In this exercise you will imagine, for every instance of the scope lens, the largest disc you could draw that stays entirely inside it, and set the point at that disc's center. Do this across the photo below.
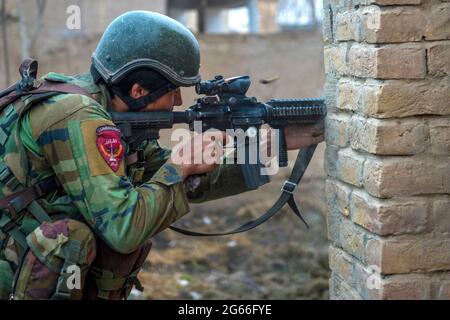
(198, 88)
(204, 87)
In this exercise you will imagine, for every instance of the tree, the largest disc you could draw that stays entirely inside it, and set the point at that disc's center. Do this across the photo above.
(312, 5)
(27, 42)
(5, 40)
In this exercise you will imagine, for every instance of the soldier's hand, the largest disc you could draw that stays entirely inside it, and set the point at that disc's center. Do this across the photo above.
(302, 136)
(200, 154)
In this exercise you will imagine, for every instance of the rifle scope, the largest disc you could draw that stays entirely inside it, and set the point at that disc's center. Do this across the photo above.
(219, 85)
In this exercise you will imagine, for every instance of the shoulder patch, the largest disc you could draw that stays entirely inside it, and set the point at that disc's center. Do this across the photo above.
(110, 146)
(104, 149)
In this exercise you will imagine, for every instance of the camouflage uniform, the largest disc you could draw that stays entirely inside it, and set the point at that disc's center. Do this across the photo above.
(95, 203)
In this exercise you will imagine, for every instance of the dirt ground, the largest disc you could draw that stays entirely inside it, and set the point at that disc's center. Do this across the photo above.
(281, 259)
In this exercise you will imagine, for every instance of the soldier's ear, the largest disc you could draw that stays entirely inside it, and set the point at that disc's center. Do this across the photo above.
(137, 91)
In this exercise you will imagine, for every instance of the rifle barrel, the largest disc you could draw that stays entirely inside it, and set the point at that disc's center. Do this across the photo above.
(296, 110)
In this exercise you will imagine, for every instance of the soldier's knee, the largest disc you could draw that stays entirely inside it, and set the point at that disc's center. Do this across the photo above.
(57, 248)
(56, 238)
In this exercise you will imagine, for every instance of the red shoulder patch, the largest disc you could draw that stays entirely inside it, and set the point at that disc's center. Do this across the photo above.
(110, 146)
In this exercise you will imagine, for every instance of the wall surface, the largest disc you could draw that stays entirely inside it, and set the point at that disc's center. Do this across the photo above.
(388, 148)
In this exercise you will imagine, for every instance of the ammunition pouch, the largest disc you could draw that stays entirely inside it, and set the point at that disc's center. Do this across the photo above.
(112, 274)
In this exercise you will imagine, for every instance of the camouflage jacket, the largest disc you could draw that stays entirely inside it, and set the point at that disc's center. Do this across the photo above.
(59, 135)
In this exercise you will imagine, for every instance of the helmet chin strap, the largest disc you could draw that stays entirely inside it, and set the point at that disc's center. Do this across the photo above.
(140, 103)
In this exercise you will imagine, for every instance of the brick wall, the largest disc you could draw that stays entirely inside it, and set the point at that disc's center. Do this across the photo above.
(388, 148)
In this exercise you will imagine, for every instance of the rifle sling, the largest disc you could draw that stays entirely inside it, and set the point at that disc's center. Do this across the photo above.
(15, 203)
(301, 163)
(42, 87)
(20, 200)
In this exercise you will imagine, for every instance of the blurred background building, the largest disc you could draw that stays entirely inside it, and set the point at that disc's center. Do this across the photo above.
(246, 16)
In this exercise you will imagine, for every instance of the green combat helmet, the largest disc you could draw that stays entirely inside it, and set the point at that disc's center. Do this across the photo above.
(144, 39)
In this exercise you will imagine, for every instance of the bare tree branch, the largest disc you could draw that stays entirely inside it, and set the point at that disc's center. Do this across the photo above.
(313, 12)
(38, 28)
(202, 16)
(25, 44)
(5, 42)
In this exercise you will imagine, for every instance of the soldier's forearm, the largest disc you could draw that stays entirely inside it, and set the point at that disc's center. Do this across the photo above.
(225, 181)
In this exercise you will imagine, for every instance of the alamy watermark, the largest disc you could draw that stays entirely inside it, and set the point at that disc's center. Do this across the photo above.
(73, 21)
(373, 282)
(372, 17)
(73, 282)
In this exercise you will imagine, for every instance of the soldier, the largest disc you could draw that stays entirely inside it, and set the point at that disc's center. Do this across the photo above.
(96, 219)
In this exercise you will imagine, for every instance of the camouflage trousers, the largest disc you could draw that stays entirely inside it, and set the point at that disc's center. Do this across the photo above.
(66, 261)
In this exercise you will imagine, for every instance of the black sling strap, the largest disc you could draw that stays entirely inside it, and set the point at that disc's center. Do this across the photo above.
(287, 196)
(30, 85)
(15, 203)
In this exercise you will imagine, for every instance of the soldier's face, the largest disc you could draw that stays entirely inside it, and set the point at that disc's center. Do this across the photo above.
(166, 102)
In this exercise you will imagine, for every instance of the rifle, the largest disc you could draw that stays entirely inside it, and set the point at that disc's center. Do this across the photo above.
(225, 106)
